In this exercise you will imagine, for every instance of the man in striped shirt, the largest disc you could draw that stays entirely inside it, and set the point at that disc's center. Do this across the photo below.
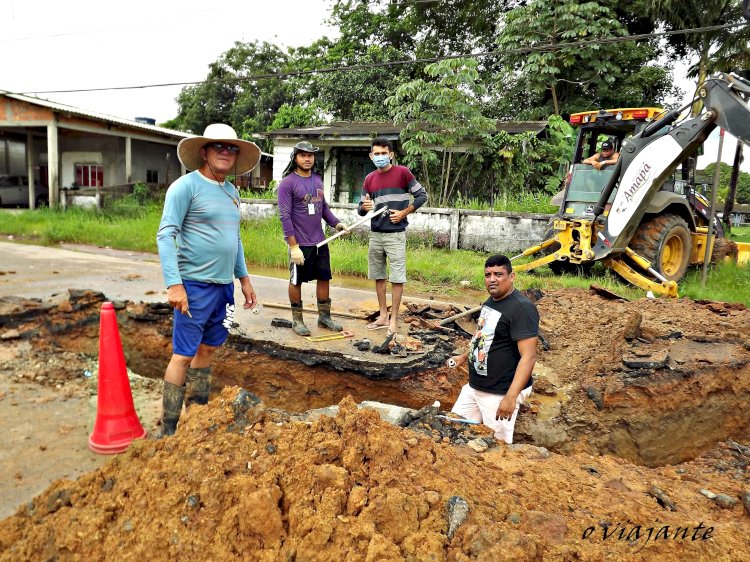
(394, 187)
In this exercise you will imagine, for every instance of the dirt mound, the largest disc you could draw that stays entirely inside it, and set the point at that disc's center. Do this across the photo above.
(239, 481)
(655, 381)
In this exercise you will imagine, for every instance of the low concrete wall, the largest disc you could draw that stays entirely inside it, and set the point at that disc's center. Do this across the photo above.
(486, 231)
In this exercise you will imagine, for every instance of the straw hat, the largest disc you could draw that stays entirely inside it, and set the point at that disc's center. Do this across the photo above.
(188, 151)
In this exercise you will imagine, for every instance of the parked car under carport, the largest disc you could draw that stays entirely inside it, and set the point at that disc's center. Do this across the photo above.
(14, 192)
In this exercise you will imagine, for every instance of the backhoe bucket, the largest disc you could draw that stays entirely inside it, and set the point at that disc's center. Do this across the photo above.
(743, 253)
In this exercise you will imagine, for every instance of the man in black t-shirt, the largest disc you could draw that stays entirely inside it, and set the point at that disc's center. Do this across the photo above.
(501, 354)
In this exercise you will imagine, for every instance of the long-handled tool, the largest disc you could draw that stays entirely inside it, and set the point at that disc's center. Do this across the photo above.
(314, 311)
(340, 335)
(458, 420)
(450, 319)
(367, 217)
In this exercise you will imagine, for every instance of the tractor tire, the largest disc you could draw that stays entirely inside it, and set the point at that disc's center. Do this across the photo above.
(665, 241)
(562, 267)
(724, 249)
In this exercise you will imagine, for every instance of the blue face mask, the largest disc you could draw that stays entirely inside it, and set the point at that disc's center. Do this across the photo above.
(381, 161)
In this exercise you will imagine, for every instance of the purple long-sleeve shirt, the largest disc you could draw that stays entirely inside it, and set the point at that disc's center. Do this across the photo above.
(295, 195)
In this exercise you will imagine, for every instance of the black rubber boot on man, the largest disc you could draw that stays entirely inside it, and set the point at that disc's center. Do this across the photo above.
(198, 384)
(298, 324)
(324, 316)
(172, 399)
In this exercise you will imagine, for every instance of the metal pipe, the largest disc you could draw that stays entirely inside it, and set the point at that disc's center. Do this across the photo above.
(458, 420)
(711, 213)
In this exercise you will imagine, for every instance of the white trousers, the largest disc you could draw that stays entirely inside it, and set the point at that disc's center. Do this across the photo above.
(482, 406)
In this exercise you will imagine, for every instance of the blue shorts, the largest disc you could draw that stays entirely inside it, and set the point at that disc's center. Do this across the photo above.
(212, 310)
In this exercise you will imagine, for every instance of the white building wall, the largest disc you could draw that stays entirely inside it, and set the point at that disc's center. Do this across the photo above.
(70, 159)
(281, 153)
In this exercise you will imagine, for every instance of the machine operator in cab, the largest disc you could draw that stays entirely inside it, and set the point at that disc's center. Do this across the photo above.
(606, 156)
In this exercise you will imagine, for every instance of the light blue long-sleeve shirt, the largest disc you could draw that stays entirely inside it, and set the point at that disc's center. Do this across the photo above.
(199, 233)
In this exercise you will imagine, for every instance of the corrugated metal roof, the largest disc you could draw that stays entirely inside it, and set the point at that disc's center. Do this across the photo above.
(54, 106)
(515, 127)
(338, 129)
(372, 129)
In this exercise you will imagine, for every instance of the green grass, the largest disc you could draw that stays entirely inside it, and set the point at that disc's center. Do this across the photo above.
(127, 225)
(727, 282)
(520, 203)
(741, 234)
(269, 193)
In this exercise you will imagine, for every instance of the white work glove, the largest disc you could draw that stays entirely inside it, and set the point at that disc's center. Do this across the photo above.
(298, 258)
(341, 226)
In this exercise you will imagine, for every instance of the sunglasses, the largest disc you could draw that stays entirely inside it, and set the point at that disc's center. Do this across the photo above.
(220, 147)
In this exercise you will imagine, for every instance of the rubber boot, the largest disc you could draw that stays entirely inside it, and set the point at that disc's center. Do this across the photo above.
(172, 398)
(324, 316)
(198, 384)
(298, 324)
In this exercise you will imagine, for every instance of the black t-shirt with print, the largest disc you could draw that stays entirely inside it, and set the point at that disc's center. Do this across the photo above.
(493, 351)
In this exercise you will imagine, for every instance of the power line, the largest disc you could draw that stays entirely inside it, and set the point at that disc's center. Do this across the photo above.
(549, 47)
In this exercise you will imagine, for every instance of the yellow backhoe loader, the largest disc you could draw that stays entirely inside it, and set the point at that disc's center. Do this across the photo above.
(643, 216)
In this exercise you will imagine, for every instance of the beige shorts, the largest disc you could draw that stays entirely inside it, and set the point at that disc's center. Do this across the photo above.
(482, 406)
(390, 245)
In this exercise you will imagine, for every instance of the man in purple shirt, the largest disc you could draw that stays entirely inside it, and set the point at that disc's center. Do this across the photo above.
(302, 206)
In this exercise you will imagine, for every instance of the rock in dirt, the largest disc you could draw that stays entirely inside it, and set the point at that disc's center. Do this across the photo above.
(648, 360)
(281, 323)
(746, 501)
(10, 335)
(457, 510)
(362, 345)
(352, 487)
(661, 497)
(722, 500)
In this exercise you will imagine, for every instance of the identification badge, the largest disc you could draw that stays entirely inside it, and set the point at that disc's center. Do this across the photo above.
(311, 208)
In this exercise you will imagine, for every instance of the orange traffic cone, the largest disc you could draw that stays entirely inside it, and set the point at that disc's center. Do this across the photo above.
(117, 424)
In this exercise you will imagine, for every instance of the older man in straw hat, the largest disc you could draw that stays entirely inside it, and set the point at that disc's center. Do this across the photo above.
(302, 208)
(201, 253)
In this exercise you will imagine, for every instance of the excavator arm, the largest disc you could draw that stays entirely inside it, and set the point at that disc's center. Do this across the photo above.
(646, 161)
(649, 158)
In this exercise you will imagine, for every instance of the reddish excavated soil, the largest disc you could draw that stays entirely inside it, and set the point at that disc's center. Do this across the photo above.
(653, 381)
(245, 485)
(644, 406)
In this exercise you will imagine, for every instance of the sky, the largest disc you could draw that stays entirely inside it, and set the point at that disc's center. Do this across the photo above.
(80, 44)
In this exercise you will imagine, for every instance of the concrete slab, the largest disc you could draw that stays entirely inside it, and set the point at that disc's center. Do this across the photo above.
(42, 272)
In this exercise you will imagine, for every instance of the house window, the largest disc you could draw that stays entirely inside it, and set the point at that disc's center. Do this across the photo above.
(89, 175)
(152, 176)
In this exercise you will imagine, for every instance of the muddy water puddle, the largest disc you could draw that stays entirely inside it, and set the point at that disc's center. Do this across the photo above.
(549, 402)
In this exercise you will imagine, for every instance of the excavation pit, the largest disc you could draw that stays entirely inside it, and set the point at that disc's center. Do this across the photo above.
(654, 382)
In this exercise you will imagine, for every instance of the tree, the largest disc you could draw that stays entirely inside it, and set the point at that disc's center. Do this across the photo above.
(725, 175)
(443, 127)
(717, 50)
(292, 116)
(352, 95)
(549, 26)
(228, 95)
(421, 29)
